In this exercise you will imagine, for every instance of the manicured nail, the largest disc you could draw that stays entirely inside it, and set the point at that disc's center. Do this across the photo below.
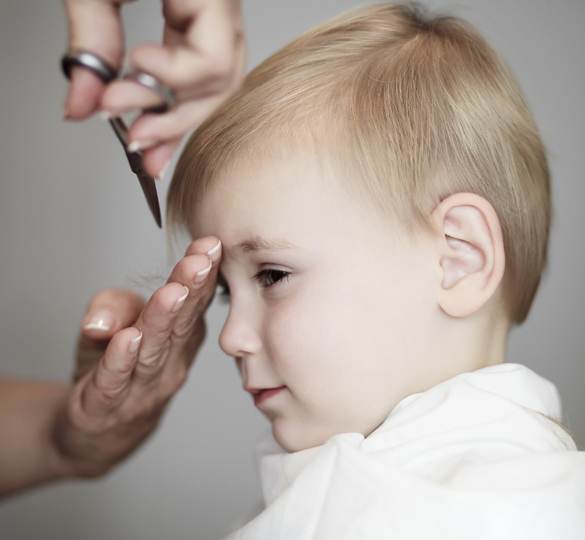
(105, 115)
(200, 277)
(215, 249)
(134, 146)
(163, 171)
(134, 344)
(179, 303)
(101, 320)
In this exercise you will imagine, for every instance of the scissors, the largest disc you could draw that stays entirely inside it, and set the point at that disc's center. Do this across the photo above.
(107, 73)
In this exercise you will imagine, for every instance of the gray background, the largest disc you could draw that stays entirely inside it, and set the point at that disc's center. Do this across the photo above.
(73, 221)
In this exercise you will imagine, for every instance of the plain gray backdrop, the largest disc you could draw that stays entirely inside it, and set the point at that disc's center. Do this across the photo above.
(73, 221)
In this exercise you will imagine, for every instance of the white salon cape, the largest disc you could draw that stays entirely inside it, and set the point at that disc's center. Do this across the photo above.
(473, 458)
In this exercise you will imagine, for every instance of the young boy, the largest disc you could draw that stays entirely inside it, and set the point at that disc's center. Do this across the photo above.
(382, 197)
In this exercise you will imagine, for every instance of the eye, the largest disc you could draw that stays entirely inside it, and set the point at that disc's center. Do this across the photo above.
(270, 276)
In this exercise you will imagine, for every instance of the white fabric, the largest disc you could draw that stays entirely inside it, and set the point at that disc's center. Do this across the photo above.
(472, 458)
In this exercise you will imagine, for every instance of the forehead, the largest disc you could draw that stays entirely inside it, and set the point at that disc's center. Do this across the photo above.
(272, 192)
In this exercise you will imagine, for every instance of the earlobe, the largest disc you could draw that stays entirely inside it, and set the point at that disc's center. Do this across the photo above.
(471, 252)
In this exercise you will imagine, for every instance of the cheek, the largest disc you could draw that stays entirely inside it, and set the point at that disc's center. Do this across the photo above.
(316, 333)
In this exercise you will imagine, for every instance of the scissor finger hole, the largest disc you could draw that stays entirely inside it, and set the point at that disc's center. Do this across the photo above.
(88, 60)
(152, 83)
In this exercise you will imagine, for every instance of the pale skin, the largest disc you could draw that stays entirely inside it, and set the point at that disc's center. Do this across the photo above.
(202, 57)
(127, 371)
(315, 283)
(336, 315)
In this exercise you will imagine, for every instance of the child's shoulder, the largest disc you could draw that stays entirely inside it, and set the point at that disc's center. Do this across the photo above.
(444, 463)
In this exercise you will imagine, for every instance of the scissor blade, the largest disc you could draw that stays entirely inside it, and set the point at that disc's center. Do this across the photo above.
(149, 189)
(121, 130)
(135, 159)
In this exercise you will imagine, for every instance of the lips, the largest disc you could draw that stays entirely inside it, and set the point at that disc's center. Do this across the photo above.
(261, 395)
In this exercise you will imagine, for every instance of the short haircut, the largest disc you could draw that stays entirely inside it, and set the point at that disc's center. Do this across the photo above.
(412, 109)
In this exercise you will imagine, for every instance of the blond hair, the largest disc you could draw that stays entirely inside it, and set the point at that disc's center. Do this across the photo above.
(412, 109)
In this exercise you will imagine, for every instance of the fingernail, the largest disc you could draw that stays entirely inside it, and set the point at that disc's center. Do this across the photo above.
(200, 277)
(101, 320)
(215, 249)
(134, 344)
(134, 146)
(179, 303)
(163, 171)
(105, 115)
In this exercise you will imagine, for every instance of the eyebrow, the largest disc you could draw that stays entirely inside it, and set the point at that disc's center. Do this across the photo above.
(260, 244)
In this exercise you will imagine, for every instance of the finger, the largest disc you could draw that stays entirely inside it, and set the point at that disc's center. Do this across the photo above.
(195, 276)
(109, 311)
(156, 323)
(204, 53)
(156, 160)
(126, 95)
(188, 331)
(151, 129)
(94, 25)
(110, 382)
(158, 136)
(84, 94)
(200, 47)
(185, 70)
(171, 340)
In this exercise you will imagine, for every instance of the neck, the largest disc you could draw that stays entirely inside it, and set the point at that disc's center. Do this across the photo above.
(463, 345)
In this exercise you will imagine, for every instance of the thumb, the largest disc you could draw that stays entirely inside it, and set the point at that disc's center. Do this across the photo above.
(95, 26)
(109, 311)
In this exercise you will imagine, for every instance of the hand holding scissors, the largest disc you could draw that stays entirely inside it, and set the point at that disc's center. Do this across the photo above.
(107, 73)
(202, 59)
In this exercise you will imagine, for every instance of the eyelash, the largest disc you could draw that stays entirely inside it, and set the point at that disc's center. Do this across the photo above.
(266, 278)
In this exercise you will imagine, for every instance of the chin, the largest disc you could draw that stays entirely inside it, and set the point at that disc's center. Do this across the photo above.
(295, 439)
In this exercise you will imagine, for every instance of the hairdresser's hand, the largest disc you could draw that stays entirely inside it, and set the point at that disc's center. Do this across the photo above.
(202, 58)
(121, 390)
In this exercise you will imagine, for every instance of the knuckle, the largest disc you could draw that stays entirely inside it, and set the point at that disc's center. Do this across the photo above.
(75, 415)
(182, 330)
(106, 396)
(150, 364)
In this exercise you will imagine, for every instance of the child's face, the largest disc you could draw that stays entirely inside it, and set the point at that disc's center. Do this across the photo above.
(328, 307)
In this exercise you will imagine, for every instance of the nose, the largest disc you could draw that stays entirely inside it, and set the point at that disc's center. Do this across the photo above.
(239, 336)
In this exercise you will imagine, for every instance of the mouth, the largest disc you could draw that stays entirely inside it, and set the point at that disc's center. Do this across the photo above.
(261, 395)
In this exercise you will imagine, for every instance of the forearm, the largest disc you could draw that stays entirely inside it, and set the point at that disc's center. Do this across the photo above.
(28, 454)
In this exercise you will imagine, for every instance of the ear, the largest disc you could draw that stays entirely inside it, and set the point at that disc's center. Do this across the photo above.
(471, 250)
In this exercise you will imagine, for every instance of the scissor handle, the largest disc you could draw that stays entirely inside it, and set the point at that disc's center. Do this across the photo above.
(148, 81)
(107, 73)
(79, 57)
